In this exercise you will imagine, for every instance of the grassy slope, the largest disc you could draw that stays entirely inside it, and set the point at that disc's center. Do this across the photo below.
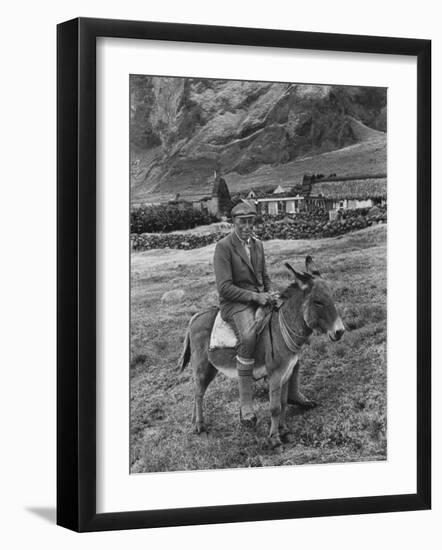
(347, 378)
(366, 158)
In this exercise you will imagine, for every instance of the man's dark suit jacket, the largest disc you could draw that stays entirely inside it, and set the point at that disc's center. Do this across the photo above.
(238, 279)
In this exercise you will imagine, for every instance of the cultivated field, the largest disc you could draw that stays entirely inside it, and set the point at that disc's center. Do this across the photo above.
(348, 378)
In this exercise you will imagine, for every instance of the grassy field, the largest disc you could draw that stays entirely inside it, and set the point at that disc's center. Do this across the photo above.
(348, 378)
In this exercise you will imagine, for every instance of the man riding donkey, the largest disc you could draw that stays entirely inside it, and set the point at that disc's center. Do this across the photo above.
(244, 286)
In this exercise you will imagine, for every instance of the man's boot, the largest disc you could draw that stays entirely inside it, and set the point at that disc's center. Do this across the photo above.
(245, 383)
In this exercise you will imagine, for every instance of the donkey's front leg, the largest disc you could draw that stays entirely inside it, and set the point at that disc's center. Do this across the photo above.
(275, 389)
(295, 396)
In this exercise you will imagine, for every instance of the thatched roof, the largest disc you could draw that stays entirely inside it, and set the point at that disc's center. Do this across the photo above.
(266, 194)
(361, 188)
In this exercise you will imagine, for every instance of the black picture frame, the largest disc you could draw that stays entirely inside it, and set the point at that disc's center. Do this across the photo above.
(76, 274)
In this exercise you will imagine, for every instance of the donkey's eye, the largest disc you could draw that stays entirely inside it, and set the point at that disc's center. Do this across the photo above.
(317, 303)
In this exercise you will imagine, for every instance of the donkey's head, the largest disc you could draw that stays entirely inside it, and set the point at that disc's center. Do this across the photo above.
(318, 307)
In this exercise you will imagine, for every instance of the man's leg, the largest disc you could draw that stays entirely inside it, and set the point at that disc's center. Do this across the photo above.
(244, 324)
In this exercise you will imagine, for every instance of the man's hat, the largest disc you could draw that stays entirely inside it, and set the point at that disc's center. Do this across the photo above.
(243, 209)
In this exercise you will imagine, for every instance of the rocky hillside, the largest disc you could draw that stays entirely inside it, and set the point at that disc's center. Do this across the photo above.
(181, 129)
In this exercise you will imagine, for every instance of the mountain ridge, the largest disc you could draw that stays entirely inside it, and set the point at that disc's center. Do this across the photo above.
(182, 129)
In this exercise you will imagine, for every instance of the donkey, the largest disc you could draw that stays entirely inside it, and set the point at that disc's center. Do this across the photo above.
(307, 307)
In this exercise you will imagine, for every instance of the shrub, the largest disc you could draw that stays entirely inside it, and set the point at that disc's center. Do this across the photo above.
(184, 242)
(164, 218)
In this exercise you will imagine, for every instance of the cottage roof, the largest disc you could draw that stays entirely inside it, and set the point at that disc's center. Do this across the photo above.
(357, 188)
(260, 194)
(280, 189)
(275, 197)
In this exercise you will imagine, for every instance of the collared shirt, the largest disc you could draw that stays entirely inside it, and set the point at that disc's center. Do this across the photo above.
(246, 245)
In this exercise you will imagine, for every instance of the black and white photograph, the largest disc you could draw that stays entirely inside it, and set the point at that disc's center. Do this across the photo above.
(258, 274)
(220, 293)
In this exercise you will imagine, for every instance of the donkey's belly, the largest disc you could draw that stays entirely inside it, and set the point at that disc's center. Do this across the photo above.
(225, 361)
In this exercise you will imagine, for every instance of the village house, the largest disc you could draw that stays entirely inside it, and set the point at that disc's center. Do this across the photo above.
(213, 198)
(350, 193)
(332, 194)
(290, 204)
(277, 201)
(315, 191)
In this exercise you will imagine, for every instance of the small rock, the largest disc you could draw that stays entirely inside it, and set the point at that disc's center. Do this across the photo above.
(173, 296)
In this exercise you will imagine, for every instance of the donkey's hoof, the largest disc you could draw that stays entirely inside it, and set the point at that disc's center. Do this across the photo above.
(305, 404)
(286, 435)
(249, 420)
(275, 443)
(199, 429)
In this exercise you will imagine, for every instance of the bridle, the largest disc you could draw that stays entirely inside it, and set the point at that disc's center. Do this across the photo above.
(292, 339)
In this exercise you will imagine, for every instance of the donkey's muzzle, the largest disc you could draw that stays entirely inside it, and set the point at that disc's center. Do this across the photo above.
(338, 331)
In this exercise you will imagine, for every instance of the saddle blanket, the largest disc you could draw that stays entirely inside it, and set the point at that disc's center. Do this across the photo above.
(222, 335)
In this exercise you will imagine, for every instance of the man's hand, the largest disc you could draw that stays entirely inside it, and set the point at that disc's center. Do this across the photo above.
(274, 296)
(263, 298)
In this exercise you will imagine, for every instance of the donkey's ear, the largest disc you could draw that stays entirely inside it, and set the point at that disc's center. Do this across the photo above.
(311, 267)
(303, 279)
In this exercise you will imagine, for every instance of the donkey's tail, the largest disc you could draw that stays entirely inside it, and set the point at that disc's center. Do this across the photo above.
(185, 353)
(184, 358)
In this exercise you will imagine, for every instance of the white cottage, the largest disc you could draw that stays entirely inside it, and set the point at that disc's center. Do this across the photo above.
(279, 205)
(351, 192)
